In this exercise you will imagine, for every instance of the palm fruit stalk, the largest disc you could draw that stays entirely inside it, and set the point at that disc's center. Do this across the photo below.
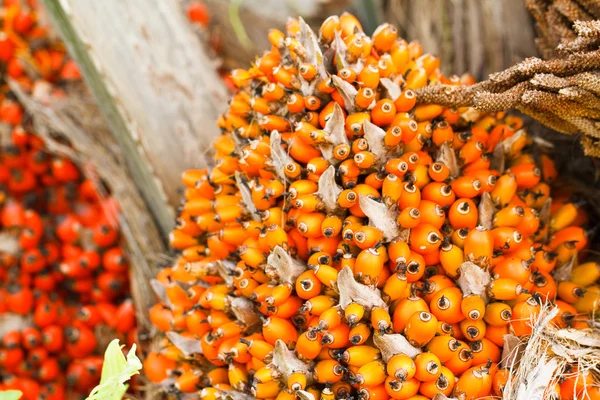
(349, 243)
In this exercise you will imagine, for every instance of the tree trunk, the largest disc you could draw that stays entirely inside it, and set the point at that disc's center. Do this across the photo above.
(476, 36)
(153, 82)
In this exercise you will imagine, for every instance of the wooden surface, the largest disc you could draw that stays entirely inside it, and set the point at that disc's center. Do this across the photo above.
(153, 82)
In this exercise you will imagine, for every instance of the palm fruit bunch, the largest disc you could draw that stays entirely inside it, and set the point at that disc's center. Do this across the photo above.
(348, 243)
(64, 279)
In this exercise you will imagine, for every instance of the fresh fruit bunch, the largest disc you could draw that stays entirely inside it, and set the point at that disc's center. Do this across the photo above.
(64, 280)
(349, 243)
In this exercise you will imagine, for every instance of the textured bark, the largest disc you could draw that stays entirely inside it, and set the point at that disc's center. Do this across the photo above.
(153, 82)
(475, 36)
(555, 19)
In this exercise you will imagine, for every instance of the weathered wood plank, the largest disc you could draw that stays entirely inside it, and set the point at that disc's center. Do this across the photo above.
(153, 82)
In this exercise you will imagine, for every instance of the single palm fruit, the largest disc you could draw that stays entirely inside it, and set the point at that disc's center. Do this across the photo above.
(334, 227)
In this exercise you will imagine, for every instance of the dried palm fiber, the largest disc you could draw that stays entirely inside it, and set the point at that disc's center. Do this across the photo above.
(562, 93)
(548, 354)
(545, 357)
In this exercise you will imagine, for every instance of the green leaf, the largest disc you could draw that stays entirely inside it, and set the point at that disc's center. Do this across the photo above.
(11, 395)
(116, 371)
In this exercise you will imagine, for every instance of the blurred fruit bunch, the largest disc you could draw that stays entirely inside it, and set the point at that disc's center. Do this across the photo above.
(64, 279)
(349, 243)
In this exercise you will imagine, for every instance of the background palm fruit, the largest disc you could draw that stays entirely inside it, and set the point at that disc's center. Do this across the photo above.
(348, 242)
(64, 279)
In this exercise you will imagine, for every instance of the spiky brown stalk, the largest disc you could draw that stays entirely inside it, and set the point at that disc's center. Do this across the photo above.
(562, 93)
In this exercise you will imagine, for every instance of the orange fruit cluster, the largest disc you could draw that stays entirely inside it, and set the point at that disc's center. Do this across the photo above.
(349, 243)
(64, 279)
